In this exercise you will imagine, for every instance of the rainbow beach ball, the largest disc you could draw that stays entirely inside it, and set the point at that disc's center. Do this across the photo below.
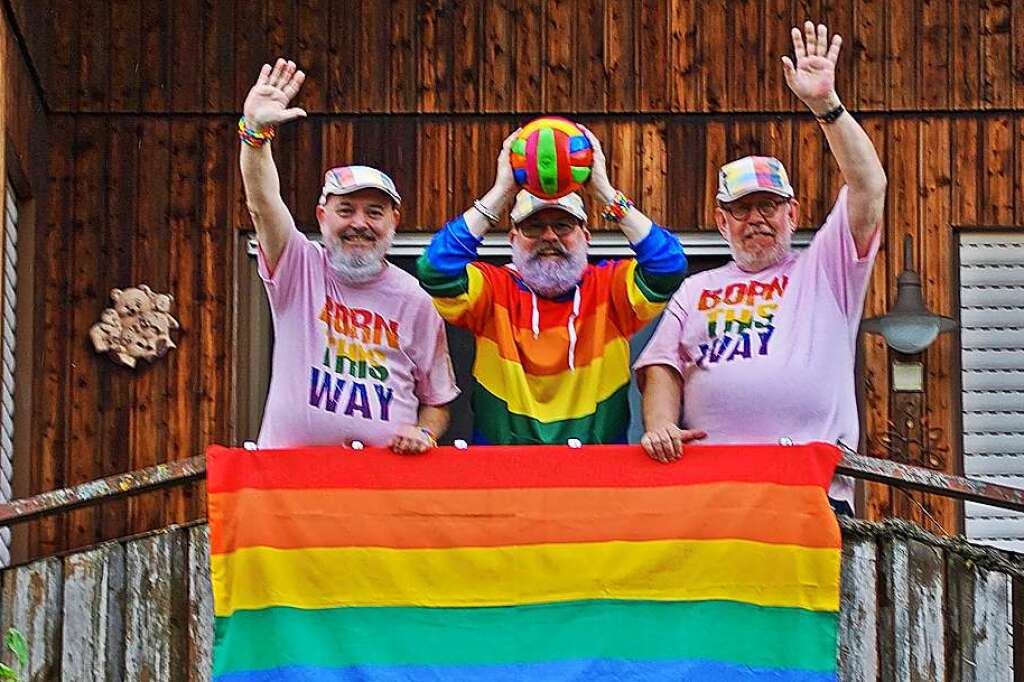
(551, 157)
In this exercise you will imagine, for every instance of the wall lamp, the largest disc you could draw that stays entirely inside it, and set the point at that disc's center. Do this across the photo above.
(908, 327)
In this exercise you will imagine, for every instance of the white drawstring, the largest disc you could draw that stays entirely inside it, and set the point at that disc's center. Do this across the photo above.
(571, 326)
(535, 315)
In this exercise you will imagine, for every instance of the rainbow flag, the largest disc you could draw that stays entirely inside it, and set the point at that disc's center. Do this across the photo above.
(524, 563)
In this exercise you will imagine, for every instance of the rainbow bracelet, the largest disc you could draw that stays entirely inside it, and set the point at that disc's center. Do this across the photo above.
(617, 208)
(254, 137)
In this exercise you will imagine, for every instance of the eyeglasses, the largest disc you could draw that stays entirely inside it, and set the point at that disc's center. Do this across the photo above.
(535, 230)
(766, 207)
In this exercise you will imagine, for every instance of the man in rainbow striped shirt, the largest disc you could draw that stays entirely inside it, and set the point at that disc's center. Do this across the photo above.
(552, 331)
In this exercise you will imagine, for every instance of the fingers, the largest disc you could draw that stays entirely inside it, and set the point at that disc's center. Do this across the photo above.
(821, 46)
(809, 38)
(405, 445)
(292, 114)
(663, 445)
(291, 88)
(788, 70)
(506, 145)
(692, 435)
(833, 50)
(798, 43)
(264, 75)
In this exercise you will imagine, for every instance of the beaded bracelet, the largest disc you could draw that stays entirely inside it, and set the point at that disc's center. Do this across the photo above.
(254, 137)
(429, 434)
(617, 208)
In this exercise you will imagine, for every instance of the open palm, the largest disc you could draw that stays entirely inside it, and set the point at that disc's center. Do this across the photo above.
(266, 105)
(813, 78)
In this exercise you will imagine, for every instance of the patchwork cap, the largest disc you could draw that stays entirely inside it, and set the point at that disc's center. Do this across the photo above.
(752, 174)
(527, 204)
(348, 179)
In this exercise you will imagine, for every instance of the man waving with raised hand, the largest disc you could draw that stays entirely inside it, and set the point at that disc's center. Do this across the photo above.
(762, 349)
(360, 353)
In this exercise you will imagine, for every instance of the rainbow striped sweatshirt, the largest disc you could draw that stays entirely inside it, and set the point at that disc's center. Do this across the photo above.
(548, 370)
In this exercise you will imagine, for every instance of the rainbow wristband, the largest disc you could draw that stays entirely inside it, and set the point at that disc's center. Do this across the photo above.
(429, 434)
(254, 137)
(617, 208)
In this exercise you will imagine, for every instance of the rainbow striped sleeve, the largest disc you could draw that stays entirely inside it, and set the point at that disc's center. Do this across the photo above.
(461, 292)
(643, 287)
(513, 563)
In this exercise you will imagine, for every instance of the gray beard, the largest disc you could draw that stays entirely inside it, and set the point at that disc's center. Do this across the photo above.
(357, 268)
(761, 259)
(550, 278)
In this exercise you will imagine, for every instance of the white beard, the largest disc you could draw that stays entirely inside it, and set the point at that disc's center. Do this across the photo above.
(359, 267)
(548, 277)
(757, 259)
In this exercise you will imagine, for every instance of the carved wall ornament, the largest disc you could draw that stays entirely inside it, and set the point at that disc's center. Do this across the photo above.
(138, 326)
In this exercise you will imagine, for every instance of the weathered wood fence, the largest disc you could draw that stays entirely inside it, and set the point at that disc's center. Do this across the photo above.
(914, 607)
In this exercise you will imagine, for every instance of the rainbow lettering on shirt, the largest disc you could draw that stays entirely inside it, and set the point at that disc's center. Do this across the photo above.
(740, 319)
(356, 342)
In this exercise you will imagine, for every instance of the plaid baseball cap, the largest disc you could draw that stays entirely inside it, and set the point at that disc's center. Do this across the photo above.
(527, 204)
(348, 179)
(752, 174)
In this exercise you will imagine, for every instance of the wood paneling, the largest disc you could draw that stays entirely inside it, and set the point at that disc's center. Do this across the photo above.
(143, 181)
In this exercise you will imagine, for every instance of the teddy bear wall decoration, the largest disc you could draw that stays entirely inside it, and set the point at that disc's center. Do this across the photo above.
(138, 326)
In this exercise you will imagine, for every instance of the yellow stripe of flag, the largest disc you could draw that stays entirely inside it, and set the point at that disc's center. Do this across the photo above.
(666, 570)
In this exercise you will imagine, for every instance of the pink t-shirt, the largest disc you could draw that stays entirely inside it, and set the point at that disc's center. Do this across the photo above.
(350, 362)
(769, 355)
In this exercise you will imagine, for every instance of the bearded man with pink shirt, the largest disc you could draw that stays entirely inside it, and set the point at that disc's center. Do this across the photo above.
(360, 353)
(763, 349)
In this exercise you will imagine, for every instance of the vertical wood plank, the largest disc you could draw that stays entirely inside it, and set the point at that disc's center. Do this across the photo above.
(653, 171)
(779, 18)
(714, 159)
(62, 90)
(403, 56)
(88, 297)
(624, 156)
(936, 182)
(434, 173)
(93, 616)
(341, 62)
(93, 25)
(967, 161)
(499, 49)
(810, 157)
(838, 15)
(745, 69)
(156, 58)
(911, 606)
(529, 56)
(869, 54)
(32, 598)
(1017, 53)
(997, 192)
(182, 385)
(466, 59)
(435, 57)
(155, 623)
(187, 67)
(858, 615)
(712, 36)
(468, 157)
(219, 66)
(978, 614)
(125, 54)
(50, 395)
(591, 85)
(902, 54)
(936, 43)
(683, 57)
(147, 425)
(966, 60)
(374, 41)
(996, 55)
(685, 151)
(653, 56)
(620, 54)
(200, 600)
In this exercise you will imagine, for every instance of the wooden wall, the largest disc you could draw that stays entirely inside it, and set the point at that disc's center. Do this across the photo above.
(144, 188)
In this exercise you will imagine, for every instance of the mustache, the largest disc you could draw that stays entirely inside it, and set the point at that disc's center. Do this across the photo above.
(549, 249)
(363, 232)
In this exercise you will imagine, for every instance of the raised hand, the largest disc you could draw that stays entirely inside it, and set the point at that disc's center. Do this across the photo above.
(266, 105)
(599, 181)
(813, 79)
(504, 179)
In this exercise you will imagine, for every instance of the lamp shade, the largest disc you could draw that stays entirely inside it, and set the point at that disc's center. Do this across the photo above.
(909, 327)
